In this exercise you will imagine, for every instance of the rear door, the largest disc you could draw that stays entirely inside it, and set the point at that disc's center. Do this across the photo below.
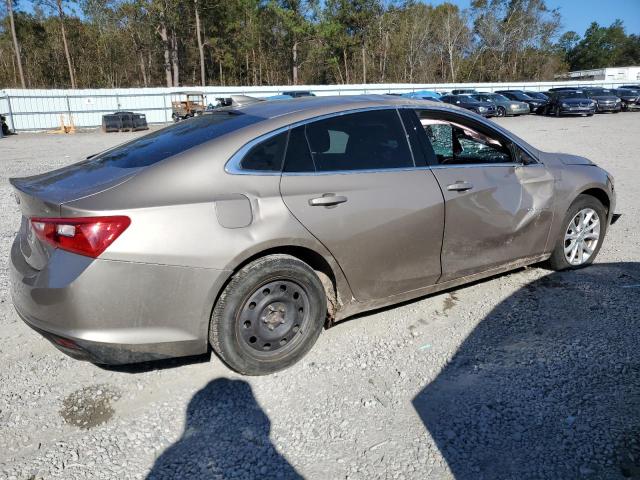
(352, 182)
(498, 199)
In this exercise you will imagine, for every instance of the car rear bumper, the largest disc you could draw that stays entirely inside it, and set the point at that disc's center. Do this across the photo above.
(113, 312)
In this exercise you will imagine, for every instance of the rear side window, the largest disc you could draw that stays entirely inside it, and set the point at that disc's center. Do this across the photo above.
(173, 140)
(358, 141)
(266, 156)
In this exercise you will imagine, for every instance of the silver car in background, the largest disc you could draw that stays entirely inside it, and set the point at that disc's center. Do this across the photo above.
(249, 229)
(505, 107)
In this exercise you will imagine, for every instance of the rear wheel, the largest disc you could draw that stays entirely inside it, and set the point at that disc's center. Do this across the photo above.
(584, 227)
(556, 111)
(269, 315)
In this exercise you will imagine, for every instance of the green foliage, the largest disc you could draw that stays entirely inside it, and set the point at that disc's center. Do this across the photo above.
(603, 47)
(122, 43)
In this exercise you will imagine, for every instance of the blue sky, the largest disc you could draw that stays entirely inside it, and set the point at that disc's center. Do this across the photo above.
(577, 15)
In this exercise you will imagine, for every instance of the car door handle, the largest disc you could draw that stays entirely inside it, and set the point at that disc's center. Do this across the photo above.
(459, 186)
(327, 200)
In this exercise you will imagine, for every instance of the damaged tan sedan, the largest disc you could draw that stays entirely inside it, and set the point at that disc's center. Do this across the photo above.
(249, 229)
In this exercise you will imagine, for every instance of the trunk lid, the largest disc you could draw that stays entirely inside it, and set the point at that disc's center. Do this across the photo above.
(42, 195)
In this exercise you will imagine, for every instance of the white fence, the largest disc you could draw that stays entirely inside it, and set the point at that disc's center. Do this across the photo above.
(42, 109)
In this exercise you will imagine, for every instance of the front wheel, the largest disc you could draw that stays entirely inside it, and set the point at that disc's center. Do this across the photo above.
(502, 112)
(269, 315)
(583, 231)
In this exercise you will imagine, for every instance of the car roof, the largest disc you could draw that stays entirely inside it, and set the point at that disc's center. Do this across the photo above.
(280, 114)
(309, 107)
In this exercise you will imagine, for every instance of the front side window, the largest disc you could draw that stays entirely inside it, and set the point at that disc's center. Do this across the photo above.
(457, 144)
(358, 141)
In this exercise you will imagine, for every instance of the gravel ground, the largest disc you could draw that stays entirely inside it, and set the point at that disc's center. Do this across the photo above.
(531, 374)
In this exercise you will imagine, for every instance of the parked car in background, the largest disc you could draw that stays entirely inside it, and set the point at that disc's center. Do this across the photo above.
(423, 95)
(463, 91)
(239, 230)
(536, 95)
(570, 103)
(279, 97)
(629, 98)
(535, 105)
(505, 107)
(606, 99)
(631, 87)
(564, 89)
(486, 109)
(299, 93)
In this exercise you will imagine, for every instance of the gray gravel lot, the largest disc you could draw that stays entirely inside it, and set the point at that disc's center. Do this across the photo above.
(531, 374)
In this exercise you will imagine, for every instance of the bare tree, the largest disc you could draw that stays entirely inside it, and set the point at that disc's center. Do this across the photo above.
(453, 36)
(61, 16)
(16, 45)
(162, 31)
(200, 46)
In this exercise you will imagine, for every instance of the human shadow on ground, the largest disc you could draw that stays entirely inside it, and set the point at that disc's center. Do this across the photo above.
(226, 436)
(548, 384)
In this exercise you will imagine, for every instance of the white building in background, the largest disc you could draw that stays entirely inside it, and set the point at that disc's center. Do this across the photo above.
(610, 74)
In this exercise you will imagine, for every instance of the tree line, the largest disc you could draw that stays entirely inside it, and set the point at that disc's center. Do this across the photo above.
(141, 43)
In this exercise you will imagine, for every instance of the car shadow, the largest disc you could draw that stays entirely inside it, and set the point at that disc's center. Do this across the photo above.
(162, 364)
(226, 436)
(548, 384)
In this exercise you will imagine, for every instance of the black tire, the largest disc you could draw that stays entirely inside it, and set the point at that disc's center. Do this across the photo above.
(558, 261)
(5, 129)
(502, 112)
(276, 301)
(556, 111)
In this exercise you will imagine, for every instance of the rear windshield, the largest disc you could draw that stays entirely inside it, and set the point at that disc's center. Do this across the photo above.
(172, 140)
(520, 96)
(571, 95)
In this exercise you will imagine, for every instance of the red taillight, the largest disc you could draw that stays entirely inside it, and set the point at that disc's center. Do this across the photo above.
(88, 236)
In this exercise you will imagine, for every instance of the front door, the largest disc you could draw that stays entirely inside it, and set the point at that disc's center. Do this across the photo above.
(352, 182)
(498, 207)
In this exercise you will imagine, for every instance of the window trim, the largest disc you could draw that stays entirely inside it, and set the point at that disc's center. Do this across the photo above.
(232, 166)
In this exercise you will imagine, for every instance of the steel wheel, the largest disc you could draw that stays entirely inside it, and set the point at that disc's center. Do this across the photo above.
(582, 236)
(273, 318)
